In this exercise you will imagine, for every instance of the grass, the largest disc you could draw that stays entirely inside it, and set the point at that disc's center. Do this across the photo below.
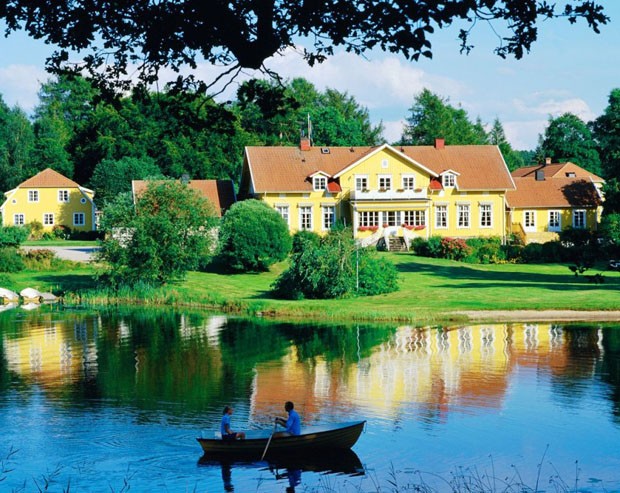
(431, 290)
(59, 243)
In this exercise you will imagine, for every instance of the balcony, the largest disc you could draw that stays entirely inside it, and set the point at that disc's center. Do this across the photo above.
(394, 194)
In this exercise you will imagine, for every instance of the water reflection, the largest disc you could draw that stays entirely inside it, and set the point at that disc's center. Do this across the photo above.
(288, 468)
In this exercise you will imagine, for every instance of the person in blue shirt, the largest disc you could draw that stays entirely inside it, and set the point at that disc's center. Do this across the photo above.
(227, 433)
(293, 423)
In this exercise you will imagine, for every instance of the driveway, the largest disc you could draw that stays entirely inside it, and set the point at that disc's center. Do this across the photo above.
(77, 254)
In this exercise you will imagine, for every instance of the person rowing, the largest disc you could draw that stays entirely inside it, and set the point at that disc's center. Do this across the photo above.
(292, 423)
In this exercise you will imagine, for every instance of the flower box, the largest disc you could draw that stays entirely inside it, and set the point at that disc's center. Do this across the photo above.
(363, 228)
(408, 226)
(373, 228)
(418, 228)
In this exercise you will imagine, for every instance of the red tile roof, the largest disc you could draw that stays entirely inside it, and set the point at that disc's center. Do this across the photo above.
(557, 170)
(221, 193)
(285, 169)
(48, 178)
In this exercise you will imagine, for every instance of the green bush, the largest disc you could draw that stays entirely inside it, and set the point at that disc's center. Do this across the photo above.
(532, 253)
(10, 260)
(61, 232)
(40, 259)
(485, 250)
(77, 234)
(513, 252)
(252, 237)
(13, 236)
(36, 230)
(376, 276)
(454, 248)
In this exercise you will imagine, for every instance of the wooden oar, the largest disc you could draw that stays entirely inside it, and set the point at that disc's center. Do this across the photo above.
(269, 441)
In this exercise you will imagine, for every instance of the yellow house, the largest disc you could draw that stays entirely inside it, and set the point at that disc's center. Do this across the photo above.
(51, 199)
(552, 197)
(387, 193)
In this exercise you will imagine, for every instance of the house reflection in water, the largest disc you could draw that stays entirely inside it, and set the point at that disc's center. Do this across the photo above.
(436, 369)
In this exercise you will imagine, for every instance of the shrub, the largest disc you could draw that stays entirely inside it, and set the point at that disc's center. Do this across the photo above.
(513, 252)
(532, 253)
(485, 250)
(453, 248)
(86, 235)
(36, 230)
(61, 232)
(253, 236)
(376, 276)
(39, 259)
(13, 236)
(10, 260)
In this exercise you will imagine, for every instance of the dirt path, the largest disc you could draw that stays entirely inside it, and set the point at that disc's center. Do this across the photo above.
(541, 316)
(77, 254)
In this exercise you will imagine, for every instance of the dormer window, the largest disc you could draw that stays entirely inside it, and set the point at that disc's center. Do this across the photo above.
(448, 180)
(319, 183)
(571, 174)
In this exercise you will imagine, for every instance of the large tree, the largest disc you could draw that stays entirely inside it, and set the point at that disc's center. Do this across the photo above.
(568, 138)
(606, 130)
(432, 116)
(165, 234)
(16, 143)
(118, 35)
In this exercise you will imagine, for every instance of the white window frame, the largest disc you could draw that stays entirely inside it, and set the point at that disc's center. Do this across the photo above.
(63, 196)
(486, 215)
(580, 223)
(448, 180)
(306, 221)
(19, 219)
(463, 216)
(387, 180)
(78, 223)
(284, 210)
(414, 218)
(408, 182)
(361, 183)
(328, 217)
(554, 217)
(441, 212)
(369, 218)
(48, 219)
(319, 183)
(33, 195)
(390, 218)
(529, 220)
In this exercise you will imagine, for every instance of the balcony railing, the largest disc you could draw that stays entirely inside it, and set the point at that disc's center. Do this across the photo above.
(393, 194)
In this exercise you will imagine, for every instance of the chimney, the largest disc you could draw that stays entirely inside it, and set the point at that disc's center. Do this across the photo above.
(540, 174)
(440, 143)
(304, 144)
(547, 161)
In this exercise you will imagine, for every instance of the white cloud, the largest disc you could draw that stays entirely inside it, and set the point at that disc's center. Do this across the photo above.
(393, 130)
(523, 135)
(556, 107)
(19, 85)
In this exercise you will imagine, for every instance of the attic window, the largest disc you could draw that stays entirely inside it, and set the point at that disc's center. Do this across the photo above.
(448, 180)
(324, 150)
(571, 174)
(319, 183)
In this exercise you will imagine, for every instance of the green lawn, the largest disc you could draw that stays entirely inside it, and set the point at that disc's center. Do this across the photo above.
(431, 289)
(60, 243)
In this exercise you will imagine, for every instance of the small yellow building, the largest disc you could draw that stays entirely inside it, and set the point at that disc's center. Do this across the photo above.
(389, 193)
(552, 197)
(51, 199)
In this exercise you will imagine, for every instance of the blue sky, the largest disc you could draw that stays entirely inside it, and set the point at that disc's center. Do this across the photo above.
(570, 68)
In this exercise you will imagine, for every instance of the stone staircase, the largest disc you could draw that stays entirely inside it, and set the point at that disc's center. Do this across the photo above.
(397, 244)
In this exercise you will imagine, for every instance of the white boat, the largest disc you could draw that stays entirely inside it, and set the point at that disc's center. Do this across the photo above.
(48, 298)
(8, 296)
(30, 295)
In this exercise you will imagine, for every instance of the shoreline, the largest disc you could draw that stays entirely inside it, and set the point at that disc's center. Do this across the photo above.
(539, 315)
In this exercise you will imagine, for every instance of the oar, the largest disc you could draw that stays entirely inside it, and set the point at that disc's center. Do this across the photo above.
(269, 441)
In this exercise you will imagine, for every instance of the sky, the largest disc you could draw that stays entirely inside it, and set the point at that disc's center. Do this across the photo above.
(569, 69)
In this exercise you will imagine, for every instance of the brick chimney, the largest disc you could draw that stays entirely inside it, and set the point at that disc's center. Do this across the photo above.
(304, 144)
(547, 161)
(440, 143)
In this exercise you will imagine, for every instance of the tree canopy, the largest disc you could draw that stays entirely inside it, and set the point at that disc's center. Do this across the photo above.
(117, 35)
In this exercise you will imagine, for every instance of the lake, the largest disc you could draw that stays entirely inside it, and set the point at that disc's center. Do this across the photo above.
(113, 400)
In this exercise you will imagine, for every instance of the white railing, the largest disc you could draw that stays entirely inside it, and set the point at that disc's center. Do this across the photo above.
(370, 240)
(397, 194)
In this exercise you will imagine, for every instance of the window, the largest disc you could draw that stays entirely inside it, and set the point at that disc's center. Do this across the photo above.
(369, 218)
(384, 163)
(305, 217)
(529, 220)
(579, 219)
(283, 211)
(19, 219)
(48, 219)
(408, 182)
(414, 218)
(554, 221)
(361, 183)
(319, 183)
(441, 216)
(462, 211)
(63, 195)
(389, 218)
(329, 215)
(79, 219)
(448, 180)
(385, 182)
(33, 195)
(486, 215)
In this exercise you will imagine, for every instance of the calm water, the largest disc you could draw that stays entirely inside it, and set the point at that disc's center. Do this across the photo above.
(112, 401)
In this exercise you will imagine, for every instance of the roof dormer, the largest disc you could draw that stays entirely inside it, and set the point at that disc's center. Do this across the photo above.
(448, 178)
(319, 180)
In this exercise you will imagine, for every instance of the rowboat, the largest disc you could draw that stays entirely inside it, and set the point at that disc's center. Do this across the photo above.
(8, 296)
(328, 437)
(30, 295)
